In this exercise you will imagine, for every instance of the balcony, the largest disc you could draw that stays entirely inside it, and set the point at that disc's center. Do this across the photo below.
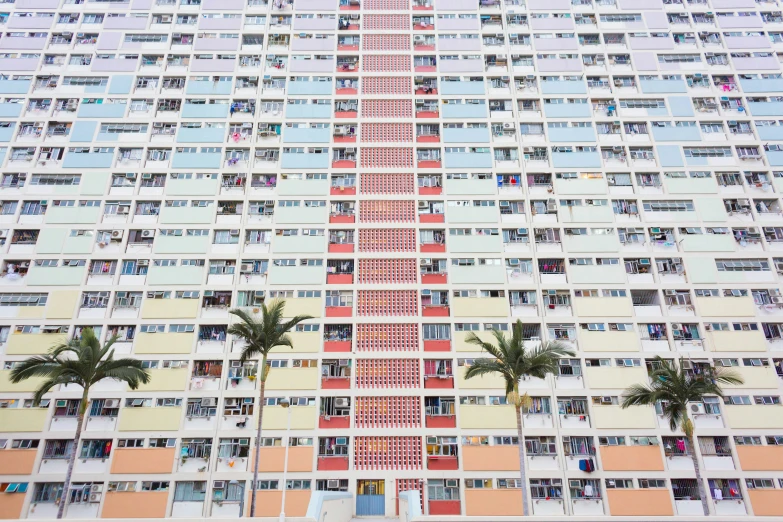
(440, 421)
(332, 463)
(429, 310)
(440, 345)
(439, 381)
(442, 462)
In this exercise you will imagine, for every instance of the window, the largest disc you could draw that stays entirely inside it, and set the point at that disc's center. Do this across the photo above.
(619, 483)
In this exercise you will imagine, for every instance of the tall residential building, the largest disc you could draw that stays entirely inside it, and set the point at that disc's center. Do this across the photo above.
(607, 172)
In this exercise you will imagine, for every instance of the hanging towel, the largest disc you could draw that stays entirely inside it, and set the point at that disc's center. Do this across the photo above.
(588, 491)
(717, 494)
(583, 465)
(681, 445)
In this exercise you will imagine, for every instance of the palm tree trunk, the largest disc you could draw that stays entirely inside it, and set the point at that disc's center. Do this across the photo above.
(699, 482)
(262, 389)
(522, 473)
(72, 458)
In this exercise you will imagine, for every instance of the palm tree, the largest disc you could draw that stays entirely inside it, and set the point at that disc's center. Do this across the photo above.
(81, 362)
(513, 360)
(260, 336)
(674, 389)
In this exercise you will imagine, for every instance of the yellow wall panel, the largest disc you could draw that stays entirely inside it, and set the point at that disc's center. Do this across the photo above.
(169, 308)
(606, 416)
(479, 307)
(293, 379)
(61, 304)
(33, 344)
(302, 418)
(166, 379)
(23, 419)
(487, 417)
(150, 419)
(611, 341)
(163, 343)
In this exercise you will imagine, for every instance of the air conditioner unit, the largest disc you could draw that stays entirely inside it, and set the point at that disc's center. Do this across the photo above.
(340, 402)
(670, 292)
(111, 403)
(123, 210)
(117, 234)
(246, 268)
(575, 483)
(219, 484)
(148, 233)
(776, 300)
(146, 175)
(697, 408)
(452, 483)
(418, 38)
(606, 400)
(332, 483)
(143, 262)
(708, 327)
(508, 125)
(234, 232)
(95, 497)
(232, 402)
(62, 403)
(774, 291)
(350, 150)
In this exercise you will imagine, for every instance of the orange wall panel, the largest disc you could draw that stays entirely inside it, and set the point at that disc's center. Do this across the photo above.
(639, 502)
(142, 460)
(17, 461)
(272, 459)
(760, 458)
(493, 502)
(766, 502)
(144, 504)
(268, 503)
(490, 458)
(11, 505)
(631, 458)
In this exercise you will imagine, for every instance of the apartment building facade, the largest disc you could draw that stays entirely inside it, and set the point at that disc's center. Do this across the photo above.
(608, 172)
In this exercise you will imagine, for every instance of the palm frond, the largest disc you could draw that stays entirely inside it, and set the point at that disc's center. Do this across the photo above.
(38, 366)
(82, 362)
(262, 334)
(639, 395)
(474, 339)
(673, 389)
(129, 371)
